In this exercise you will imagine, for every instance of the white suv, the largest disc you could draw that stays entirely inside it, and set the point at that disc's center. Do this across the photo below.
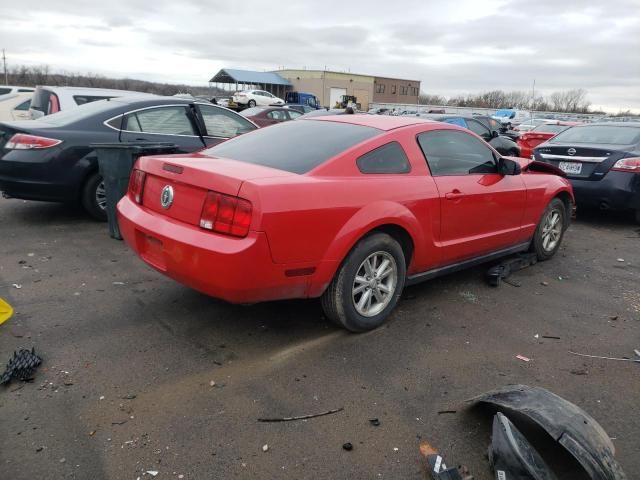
(48, 100)
(251, 98)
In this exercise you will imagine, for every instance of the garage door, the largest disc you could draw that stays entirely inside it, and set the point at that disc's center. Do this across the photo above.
(335, 95)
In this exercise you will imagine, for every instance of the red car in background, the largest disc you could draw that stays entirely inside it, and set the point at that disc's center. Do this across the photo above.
(265, 116)
(379, 203)
(527, 141)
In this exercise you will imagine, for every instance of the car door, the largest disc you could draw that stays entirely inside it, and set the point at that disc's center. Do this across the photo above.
(220, 124)
(262, 99)
(166, 123)
(481, 210)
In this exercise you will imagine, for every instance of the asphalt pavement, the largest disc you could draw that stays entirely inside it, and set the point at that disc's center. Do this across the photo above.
(141, 374)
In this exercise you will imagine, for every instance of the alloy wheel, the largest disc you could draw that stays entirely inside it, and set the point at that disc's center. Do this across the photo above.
(374, 284)
(101, 196)
(551, 230)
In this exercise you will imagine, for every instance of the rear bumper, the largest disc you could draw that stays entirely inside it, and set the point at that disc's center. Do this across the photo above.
(32, 175)
(238, 270)
(616, 191)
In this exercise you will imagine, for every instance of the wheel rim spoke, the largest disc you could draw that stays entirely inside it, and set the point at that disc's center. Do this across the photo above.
(374, 284)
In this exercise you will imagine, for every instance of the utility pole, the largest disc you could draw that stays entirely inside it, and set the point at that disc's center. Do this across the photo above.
(4, 61)
(533, 98)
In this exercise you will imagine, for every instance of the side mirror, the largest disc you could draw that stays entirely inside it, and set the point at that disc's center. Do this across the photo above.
(508, 167)
(494, 134)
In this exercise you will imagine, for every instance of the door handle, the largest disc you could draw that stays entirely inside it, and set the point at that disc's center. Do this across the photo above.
(455, 195)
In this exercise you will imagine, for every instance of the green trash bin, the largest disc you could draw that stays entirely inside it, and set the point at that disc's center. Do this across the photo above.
(115, 162)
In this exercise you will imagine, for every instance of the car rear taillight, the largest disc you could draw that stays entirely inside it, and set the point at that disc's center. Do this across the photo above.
(136, 185)
(627, 165)
(226, 214)
(22, 141)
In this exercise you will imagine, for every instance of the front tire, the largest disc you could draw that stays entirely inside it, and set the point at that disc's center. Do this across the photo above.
(368, 285)
(251, 103)
(94, 197)
(550, 231)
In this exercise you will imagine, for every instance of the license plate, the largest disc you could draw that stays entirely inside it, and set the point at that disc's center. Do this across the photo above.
(571, 167)
(151, 250)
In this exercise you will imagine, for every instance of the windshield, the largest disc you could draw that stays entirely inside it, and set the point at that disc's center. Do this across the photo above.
(505, 113)
(295, 147)
(609, 134)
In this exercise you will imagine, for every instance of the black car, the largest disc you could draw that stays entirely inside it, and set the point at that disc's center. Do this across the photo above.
(602, 162)
(50, 158)
(503, 145)
(490, 123)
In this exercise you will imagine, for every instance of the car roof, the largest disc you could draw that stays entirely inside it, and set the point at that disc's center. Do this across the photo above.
(613, 124)
(381, 122)
(88, 90)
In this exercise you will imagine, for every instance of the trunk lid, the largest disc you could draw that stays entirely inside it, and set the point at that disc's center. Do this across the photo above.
(581, 161)
(191, 176)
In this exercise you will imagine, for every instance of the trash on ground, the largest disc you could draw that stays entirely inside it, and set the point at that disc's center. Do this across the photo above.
(442, 412)
(265, 447)
(16, 285)
(301, 417)
(347, 446)
(552, 337)
(21, 366)
(637, 352)
(375, 422)
(621, 259)
(523, 358)
(512, 456)
(436, 466)
(153, 473)
(569, 425)
(635, 360)
(507, 266)
(6, 311)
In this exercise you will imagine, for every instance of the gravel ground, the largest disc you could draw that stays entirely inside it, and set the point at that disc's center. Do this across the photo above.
(142, 374)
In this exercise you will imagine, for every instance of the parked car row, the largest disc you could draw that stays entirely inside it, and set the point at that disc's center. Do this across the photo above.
(51, 158)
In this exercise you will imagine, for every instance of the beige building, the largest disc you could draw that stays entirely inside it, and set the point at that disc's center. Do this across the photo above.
(329, 86)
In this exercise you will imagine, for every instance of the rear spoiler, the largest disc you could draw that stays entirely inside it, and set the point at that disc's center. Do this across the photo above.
(536, 166)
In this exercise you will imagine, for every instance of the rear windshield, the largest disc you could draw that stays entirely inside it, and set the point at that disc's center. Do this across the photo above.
(611, 134)
(66, 117)
(250, 112)
(296, 147)
(550, 128)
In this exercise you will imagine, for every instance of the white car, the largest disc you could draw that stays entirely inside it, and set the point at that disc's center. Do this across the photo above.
(15, 106)
(251, 98)
(48, 100)
(10, 90)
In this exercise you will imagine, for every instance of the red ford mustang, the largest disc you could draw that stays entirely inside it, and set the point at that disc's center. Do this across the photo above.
(348, 208)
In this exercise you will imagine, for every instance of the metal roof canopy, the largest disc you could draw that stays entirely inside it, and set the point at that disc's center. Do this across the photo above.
(229, 75)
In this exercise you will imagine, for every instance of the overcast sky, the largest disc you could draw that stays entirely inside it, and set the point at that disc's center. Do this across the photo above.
(453, 47)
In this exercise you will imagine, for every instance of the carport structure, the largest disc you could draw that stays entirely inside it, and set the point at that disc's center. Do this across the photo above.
(247, 79)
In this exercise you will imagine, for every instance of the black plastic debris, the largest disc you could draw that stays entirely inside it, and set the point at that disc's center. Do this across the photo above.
(512, 456)
(21, 366)
(504, 269)
(568, 424)
(347, 446)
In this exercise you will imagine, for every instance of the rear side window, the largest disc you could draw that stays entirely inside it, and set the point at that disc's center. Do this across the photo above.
(296, 147)
(278, 115)
(82, 99)
(223, 123)
(449, 152)
(25, 90)
(45, 101)
(389, 158)
(23, 106)
(4, 91)
(163, 120)
(612, 134)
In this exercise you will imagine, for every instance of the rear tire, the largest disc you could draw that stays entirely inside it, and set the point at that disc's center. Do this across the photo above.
(251, 103)
(550, 231)
(368, 284)
(94, 197)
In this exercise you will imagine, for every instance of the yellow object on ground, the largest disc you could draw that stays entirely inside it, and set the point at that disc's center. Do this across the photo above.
(5, 311)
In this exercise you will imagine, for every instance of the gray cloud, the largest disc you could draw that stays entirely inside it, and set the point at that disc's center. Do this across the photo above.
(454, 47)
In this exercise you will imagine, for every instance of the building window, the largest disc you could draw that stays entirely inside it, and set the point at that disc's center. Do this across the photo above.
(393, 89)
(380, 87)
(404, 90)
